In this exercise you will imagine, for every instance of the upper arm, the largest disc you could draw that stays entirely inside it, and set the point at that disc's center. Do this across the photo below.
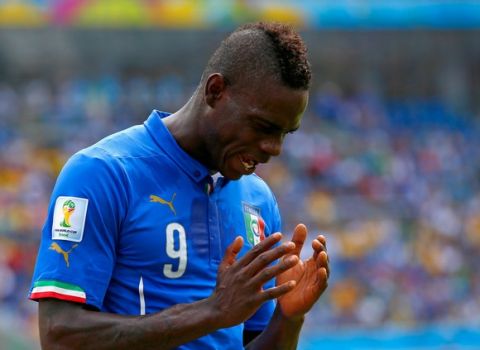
(78, 247)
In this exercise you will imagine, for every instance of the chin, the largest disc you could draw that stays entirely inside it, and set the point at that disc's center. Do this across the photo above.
(234, 177)
(231, 175)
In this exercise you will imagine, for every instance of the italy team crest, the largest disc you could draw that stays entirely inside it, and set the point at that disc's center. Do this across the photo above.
(254, 224)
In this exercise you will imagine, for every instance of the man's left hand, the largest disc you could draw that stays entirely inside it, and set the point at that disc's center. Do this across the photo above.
(310, 275)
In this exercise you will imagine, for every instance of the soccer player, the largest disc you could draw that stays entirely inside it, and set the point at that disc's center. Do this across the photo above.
(161, 236)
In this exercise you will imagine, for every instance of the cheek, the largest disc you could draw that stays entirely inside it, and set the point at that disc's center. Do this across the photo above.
(239, 140)
(231, 135)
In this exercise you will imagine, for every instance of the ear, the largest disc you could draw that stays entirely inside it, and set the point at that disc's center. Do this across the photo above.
(214, 88)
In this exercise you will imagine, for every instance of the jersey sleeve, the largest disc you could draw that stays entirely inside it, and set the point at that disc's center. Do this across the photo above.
(261, 318)
(77, 251)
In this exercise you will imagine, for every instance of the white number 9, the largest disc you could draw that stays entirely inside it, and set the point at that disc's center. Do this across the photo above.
(180, 253)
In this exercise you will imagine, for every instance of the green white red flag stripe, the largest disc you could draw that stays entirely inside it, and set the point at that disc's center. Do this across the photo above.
(58, 290)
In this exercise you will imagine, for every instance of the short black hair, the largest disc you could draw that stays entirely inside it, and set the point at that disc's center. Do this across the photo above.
(262, 50)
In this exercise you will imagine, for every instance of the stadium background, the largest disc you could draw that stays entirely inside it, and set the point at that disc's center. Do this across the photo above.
(386, 164)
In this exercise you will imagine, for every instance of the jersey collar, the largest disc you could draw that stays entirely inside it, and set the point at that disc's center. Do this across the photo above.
(165, 140)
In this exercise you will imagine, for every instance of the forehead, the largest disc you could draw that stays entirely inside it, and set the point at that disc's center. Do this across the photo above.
(273, 102)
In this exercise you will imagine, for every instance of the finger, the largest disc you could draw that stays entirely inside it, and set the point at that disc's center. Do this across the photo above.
(231, 253)
(261, 247)
(273, 271)
(268, 257)
(322, 262)
(278, 291)
(322, 279)
(299, 236)
(322, 240)
(318, 247)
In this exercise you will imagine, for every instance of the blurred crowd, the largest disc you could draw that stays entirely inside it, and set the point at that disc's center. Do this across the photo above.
(394, 185)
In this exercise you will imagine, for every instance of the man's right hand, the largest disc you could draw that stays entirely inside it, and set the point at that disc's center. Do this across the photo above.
(239, 291)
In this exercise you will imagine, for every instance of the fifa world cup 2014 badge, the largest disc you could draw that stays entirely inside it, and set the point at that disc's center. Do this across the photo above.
(254, 224)
(69, 218)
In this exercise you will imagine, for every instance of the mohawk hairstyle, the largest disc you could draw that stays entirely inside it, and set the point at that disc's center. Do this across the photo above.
(262, 50)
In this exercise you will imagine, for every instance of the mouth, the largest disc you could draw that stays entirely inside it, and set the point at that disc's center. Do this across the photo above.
(249, 164)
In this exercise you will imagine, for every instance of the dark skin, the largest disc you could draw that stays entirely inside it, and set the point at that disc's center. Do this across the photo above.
(221, 126)
(246, 119)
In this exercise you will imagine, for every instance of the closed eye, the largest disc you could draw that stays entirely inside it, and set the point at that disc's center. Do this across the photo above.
(270, 128)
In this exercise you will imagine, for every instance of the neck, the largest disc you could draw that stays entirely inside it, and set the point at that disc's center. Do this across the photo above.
(186, 127)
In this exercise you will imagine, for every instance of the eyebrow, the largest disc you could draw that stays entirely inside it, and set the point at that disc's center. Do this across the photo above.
(275, 126)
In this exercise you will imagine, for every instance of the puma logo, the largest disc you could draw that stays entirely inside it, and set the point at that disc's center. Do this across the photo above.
(157, 199)
(54, 246)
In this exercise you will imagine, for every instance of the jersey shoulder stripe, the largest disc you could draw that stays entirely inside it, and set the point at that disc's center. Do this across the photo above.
(59, 290)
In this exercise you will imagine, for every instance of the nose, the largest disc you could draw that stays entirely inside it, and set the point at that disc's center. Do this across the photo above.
(272, 146)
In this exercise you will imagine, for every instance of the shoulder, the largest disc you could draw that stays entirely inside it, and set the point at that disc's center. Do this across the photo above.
(254, 190)
(257, 184)
(92, 169)
(129, 143)
(117, 150)
(91, 161)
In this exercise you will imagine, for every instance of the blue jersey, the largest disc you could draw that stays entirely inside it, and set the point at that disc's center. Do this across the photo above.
(136, 225)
